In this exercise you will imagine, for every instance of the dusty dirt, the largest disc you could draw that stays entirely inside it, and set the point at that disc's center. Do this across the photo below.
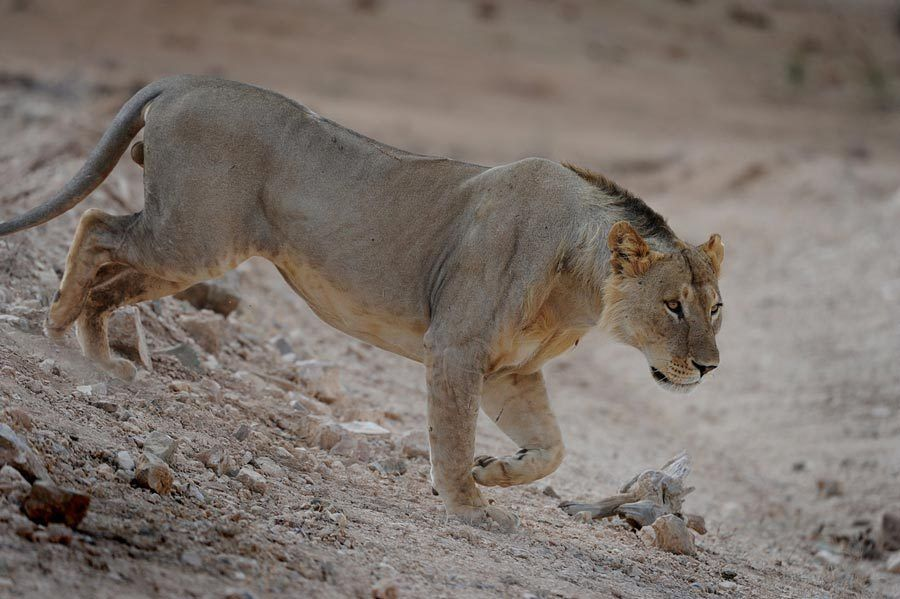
(776, 126)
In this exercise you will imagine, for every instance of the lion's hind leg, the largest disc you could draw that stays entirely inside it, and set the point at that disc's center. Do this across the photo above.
(123, 286)
(518, 404)
(96, 238)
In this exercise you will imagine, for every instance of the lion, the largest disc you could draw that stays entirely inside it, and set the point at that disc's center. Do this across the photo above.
(482, 274)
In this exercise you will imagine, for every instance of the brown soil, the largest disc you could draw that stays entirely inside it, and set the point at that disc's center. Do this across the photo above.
(775, 125)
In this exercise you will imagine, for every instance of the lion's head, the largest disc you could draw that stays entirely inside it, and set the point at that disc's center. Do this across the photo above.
(667, 305)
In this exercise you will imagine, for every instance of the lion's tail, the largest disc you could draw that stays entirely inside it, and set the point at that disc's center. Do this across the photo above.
(99, 164)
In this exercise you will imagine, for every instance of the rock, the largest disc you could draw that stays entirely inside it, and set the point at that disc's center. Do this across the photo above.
(366, 428)
(48, 503)
(672, 535)
(391, 466)
(17, 453)
(206, 329)
(238, 594)
(16, 321)
(153, 473)
(893, 563)
(696, 523)
(49, 367)
(727, 585)
(218, 461)
(282, 345)
(385, 589)
(646, 534)
(99, 389)
(353, 448)
(185, 354)
(126, 335)
(550, 492)
(323, 432)
(125, 461)
(242, 432)
(219, 295)
(414, 444)
(107, 406)
(192, 559)
(583, 517)
(828, 557)
(13, 484)
(829, 488)
(321, 380)
(307, 405)
(195, 492)
(213, 388)
(161, 445)
(890, 531)
(18, 419)
(22, 526)
(104, 471)
(253, 480)
(58, 533)
(269, 467)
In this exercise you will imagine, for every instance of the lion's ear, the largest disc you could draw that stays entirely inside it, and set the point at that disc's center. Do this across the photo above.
(631, 256)
(715, 250)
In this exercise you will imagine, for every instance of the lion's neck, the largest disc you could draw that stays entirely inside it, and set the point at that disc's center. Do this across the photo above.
(589, 255)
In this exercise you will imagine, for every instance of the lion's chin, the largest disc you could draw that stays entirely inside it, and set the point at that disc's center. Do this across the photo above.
(664, 382)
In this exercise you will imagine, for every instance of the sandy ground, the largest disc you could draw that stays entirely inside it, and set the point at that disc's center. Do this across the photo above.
(777, 129)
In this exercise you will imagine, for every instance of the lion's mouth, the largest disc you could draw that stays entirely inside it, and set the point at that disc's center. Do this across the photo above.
(666, 383)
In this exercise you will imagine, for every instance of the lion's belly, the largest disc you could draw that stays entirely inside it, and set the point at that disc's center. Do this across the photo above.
(355, 317)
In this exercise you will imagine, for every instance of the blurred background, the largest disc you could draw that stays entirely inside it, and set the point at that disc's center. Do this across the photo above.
(775, 123)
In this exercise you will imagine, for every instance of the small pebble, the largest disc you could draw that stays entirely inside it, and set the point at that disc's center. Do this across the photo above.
(161, 445)
(242, 432)
(153, 473)
(125, 461)
(727, 585)
(253, 480)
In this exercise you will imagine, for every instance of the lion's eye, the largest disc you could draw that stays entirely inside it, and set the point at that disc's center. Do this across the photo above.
(715, 309)
(674, 306)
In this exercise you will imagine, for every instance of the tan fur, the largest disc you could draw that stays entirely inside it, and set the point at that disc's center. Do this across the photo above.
(482, 274)
(636, 292)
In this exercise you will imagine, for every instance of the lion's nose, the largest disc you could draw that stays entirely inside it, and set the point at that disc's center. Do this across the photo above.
(703, 368)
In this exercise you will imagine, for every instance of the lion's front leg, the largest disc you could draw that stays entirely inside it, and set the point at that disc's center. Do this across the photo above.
(454, 387)
(518, 404)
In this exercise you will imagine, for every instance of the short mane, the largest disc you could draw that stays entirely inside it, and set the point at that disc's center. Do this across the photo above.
(644, 219)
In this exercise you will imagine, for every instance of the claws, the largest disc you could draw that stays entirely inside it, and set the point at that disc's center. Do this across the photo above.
(484, 460)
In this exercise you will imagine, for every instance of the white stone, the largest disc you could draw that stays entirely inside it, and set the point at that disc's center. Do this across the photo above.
(893, 563)
(268, 467)
(161, 445)
(828, 557)
(365, 427)
(253, 480)
(125, 461)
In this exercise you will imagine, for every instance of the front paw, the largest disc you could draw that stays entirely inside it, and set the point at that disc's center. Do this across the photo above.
(55, 333)
(492, 472)
(488, 517)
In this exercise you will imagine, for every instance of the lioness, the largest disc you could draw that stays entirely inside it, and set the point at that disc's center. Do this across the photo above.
(482, 274)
